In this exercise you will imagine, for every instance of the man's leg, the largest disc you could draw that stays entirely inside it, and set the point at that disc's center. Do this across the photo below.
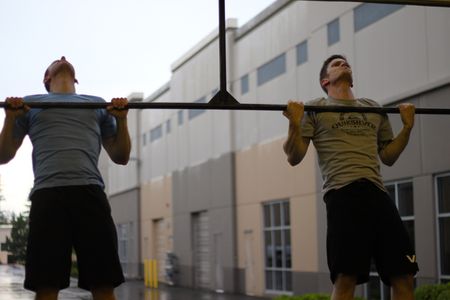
(46, 294)
(402, 287)
(344, 287)
(103, 293)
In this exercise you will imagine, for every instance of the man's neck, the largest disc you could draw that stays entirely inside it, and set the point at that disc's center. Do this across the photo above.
(62, 87)
(341, 91)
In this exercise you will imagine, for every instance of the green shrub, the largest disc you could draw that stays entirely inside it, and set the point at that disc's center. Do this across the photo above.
(310, 297)
(314, 297)
(445, 295)
(432, 292)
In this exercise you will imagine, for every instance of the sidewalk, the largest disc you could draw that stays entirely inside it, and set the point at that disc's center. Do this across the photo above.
(11, 288)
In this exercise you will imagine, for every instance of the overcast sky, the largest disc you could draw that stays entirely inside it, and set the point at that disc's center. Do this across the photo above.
(117, 47)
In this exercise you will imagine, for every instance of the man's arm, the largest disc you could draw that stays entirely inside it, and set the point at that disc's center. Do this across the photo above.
(391, 152)
(8, 144)
(118, 146)
(296, 145)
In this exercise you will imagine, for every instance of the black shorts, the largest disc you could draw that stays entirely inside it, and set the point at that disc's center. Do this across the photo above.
(62, 218)
(364, 224)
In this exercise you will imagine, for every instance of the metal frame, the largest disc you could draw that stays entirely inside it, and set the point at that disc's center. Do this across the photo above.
(236, 106)
(442, 3)
(223, 100)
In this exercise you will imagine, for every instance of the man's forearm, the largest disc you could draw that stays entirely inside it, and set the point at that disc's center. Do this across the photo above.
(8, 146)
(392, 151)
(295, 147)
(122, 142)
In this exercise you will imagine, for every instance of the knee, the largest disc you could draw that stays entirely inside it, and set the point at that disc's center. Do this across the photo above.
(46, 294)
(103, 293)
(345, 284)
(403, 283)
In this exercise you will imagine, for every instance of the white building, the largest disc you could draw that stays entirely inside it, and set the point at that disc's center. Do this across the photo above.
(214, 187)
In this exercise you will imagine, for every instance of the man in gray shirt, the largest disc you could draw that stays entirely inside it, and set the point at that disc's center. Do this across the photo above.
(69, 208)
(362, 221)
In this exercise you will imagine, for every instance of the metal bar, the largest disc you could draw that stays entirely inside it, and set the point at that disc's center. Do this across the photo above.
(442, 3)
(222, 47)
(238, 106)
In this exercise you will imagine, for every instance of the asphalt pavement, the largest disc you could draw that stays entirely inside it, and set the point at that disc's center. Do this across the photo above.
(12, 276)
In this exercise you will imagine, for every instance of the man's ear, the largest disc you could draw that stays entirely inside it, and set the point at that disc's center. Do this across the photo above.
(324, 82)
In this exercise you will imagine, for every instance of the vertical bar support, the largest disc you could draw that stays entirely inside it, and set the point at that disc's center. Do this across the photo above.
(222, 47)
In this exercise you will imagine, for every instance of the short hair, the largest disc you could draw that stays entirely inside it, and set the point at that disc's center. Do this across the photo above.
(323, 70)
(47, 83)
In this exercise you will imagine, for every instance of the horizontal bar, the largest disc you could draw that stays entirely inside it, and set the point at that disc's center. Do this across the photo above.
(442, 3)
(239, 106)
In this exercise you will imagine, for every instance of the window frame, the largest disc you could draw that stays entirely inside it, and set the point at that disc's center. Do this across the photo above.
(441, 277)
(283, 228)
(384, 290)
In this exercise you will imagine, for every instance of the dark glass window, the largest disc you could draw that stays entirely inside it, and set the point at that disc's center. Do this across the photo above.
(168, 126)
(333, 32)
(244, 84)
(156, 133)
(369, 13)
(277, 245)
(443, 191)
(180, 117)
(193, 113)
(302, 53)
(272, 69)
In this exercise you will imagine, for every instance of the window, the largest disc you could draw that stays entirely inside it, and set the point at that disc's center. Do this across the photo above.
(193, 113)
(244, 84)
(168, 126)
(125, 238)
(180, 118)
(302, 53)
(401, 192)
(369, 13)
(333, 32)
(122, 236)
(155, 133)
(277, 245)
(443, 223)
(272, 69)
(144, 139)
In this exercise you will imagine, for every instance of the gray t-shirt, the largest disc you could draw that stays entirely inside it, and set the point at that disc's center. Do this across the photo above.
(347, 143)
(66, 142)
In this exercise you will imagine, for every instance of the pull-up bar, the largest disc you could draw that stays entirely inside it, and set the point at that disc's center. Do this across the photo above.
(443, 3)
(238, 106)
(223, 100)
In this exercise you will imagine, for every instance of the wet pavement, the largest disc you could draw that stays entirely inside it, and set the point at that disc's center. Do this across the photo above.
(11, 288)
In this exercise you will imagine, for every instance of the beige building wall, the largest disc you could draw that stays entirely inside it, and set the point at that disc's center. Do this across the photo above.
(156, 207)
(263, 175)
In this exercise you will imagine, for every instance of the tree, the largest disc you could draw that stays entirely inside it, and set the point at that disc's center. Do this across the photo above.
(17, 244)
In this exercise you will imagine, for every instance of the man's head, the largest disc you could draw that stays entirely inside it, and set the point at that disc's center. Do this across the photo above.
(330, 71)
(60, 66)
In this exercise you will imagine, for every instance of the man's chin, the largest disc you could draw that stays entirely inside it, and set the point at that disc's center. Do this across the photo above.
(64, 67)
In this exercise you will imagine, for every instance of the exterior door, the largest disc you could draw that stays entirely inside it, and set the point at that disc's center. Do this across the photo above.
(201, 250)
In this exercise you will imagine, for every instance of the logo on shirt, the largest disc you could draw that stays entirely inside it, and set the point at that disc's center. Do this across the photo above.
(354, 124)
